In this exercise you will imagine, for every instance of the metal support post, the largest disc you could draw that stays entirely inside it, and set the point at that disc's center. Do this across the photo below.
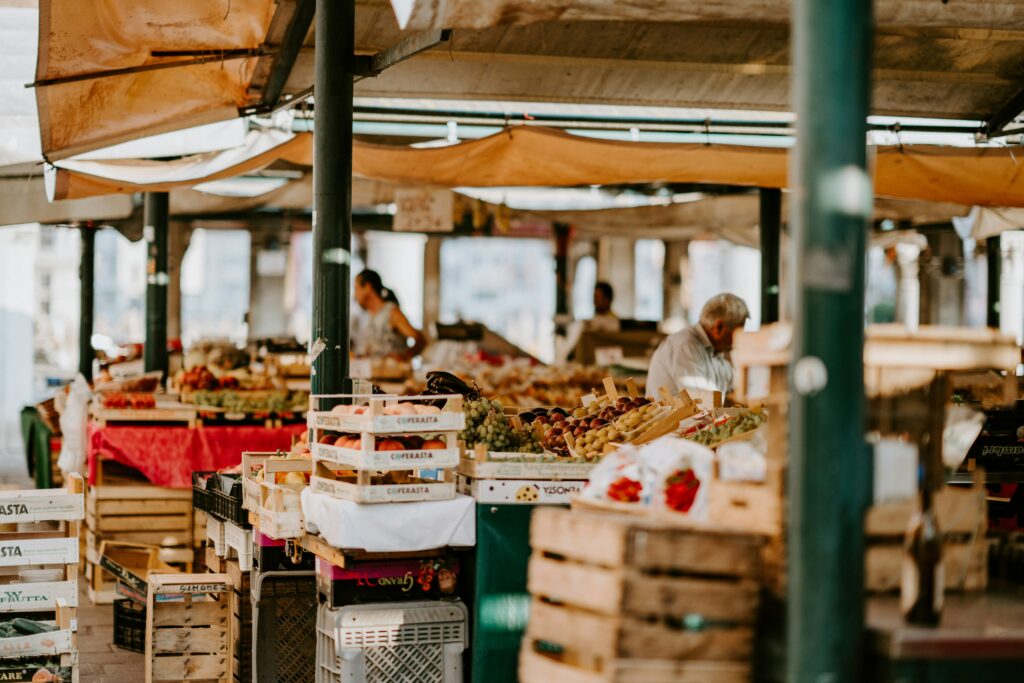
(771, 231)
(830, 466)
(86, 272)
(994, 256)
(332, 194)
(155, 221)
(562, 292)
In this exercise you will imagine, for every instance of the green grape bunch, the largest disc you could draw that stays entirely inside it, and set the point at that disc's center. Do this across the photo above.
(487, 423)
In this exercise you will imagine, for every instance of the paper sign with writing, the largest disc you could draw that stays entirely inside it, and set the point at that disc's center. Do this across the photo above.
(423, 209)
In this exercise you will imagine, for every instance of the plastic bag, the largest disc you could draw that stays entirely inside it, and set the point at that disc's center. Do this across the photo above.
(679, 473)
(618, 477)
(744, 459)
(73, 424)
(963, 425)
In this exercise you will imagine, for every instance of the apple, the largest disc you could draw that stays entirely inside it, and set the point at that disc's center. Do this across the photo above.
(433, 445)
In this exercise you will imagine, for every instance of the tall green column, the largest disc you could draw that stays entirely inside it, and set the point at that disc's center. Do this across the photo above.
(86, 273)
(332, 194)
(155, 219)
(994, 258)
(770, 228)
(830, 469)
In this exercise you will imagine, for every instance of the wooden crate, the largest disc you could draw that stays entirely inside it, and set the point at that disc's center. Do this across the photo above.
(240, 600)
(962, 519)
(44, 527)
(609, 593)
(188, 640)
(140, 509)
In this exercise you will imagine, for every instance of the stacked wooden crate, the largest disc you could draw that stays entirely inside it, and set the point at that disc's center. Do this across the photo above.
(623, 598)
(39, 553)
(240, 608)
(188, 628)
(136, 511)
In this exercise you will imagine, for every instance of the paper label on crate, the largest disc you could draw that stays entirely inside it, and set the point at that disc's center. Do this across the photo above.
(39, 551)
(189, 588)
(524, 492)
(28, 674)
(31, 508)
(17, 597)
(51, 643)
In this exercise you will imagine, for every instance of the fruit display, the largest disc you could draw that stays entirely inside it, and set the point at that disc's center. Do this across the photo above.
(406, 408)
(711, 431)
(487, 423)
(519, 383)
(279, 401)
(594, 427)
(414, 442)
(134, 400)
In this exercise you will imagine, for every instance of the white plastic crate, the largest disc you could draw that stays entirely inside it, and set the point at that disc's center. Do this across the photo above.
(412, 642)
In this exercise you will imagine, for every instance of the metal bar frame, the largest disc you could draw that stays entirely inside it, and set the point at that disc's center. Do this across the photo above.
(770, 229)
(155, 226)
(86, 272)
(830, 466)
(332, 195)
(225, 56)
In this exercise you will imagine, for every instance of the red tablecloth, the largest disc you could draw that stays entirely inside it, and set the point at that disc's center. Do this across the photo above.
(168, 456)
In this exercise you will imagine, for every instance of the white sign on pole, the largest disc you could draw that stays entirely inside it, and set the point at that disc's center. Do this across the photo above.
(423, 209)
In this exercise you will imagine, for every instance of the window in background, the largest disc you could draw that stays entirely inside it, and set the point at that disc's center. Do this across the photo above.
(717, 266)
(649, 279)
(299, 284)
(215, 286)
(398, 257)
(583, 288)
(506, 283)
(119, 288)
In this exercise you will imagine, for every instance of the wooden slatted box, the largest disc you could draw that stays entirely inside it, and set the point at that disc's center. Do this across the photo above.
(618, 599)
(188, 640)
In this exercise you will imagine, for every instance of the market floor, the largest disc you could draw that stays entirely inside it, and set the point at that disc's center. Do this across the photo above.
(99, 660)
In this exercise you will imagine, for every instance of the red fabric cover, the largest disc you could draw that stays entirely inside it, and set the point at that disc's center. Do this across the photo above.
(168, 456)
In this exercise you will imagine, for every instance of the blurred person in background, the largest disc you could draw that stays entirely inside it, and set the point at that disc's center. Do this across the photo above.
(604, 320)
(384, 330)
(697, 358)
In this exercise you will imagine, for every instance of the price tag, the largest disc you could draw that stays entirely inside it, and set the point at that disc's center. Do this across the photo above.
(423, 209)
(608, 355)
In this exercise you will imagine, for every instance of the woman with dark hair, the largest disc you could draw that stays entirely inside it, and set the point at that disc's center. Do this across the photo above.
(386, 331)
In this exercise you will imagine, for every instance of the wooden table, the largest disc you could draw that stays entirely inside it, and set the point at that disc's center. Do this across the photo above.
(980, 640)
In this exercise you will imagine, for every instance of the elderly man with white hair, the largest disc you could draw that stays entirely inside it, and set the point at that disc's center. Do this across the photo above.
(697, 358)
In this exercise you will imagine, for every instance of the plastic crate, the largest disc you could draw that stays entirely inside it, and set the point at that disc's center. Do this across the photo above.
(201, 497)
(284, 627)
(227, 500)
(130, 625)
(417, 642)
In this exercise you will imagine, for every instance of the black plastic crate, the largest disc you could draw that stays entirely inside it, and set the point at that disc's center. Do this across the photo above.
(226, 494)
(201, 497)
(130, 625)
(284, 627)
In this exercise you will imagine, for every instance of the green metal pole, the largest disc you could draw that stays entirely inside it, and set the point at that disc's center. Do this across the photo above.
(770, 227)
(830, 468)
(994, 256)
(86, 270)
(155, 218)
(332, 194)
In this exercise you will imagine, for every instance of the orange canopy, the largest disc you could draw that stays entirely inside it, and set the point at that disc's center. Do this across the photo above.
(534, 156)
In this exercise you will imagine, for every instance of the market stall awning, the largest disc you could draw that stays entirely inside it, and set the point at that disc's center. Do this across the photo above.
(422, 14)
(113, 70)
(23, 200)
(532, 157)
(932, 59)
